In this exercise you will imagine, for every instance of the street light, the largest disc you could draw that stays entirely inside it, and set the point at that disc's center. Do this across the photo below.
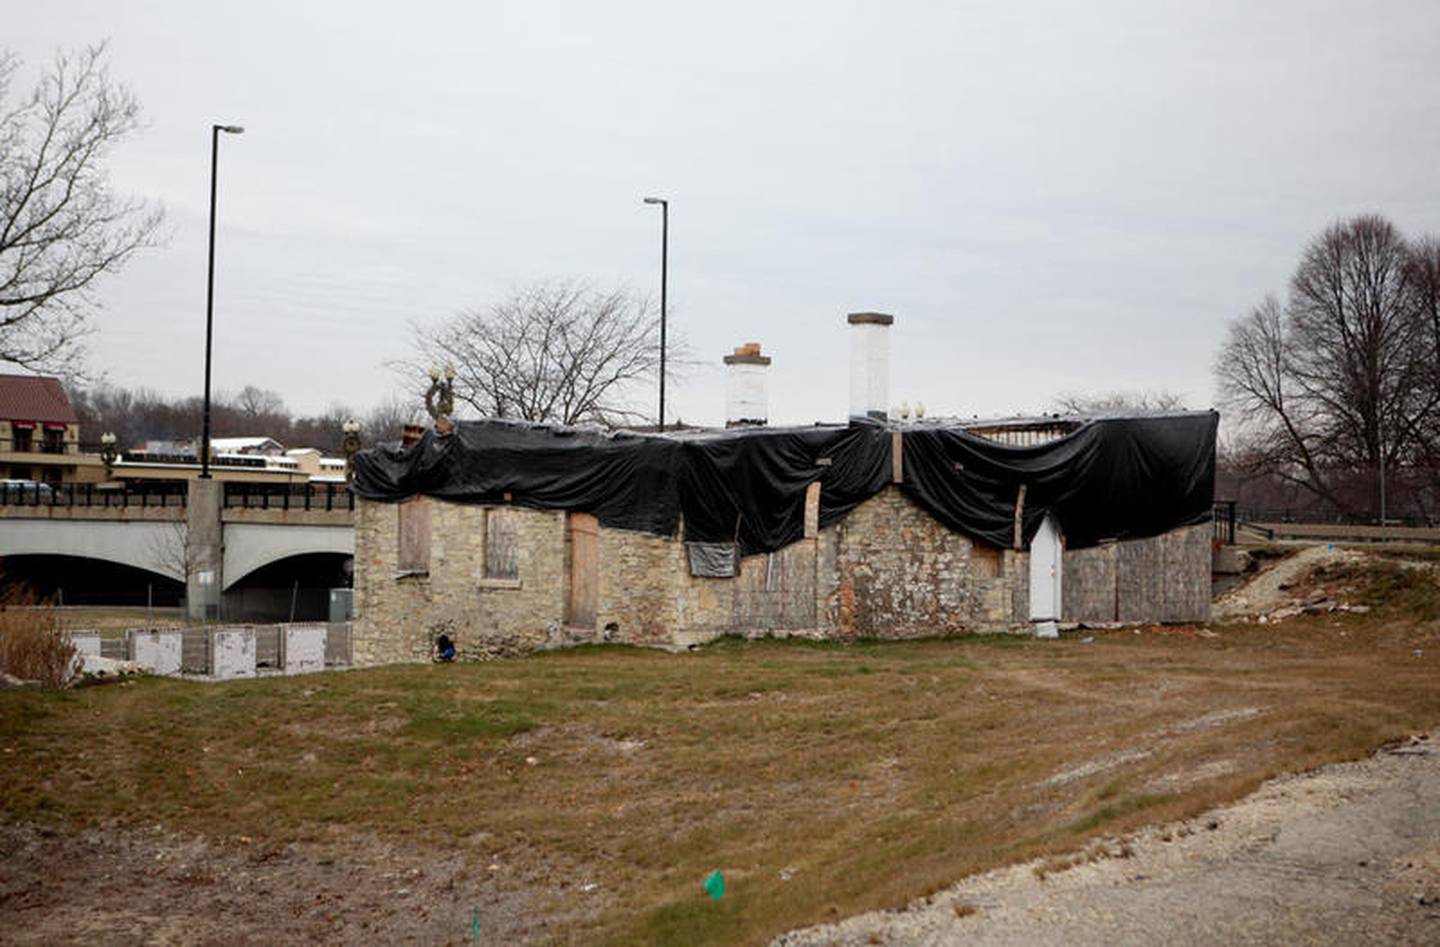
(215, 131)
(664, 273)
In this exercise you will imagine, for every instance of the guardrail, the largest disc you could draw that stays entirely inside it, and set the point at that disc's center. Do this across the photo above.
(93, 495)
(286, 496)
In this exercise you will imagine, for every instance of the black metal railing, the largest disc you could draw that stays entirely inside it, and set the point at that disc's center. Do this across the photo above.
(141, 495)
(287, 496)
(1224, 519)
(1334, 517)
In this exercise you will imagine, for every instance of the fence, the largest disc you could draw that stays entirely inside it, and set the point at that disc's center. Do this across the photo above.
(1224, 519)
(1334, 517)
(92, 494)
(286, 496)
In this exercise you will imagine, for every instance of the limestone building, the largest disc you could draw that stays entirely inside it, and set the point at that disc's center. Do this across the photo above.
(510, 537)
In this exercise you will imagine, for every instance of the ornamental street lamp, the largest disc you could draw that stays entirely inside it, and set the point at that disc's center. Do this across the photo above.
(664, 273)
(215, 131)
(350, 444)
(108, 454)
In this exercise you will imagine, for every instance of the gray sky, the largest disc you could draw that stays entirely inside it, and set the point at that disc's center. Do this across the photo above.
(1050, 197)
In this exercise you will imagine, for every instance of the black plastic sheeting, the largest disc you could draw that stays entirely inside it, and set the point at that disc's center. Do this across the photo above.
(1111, 478)
(1114, 478)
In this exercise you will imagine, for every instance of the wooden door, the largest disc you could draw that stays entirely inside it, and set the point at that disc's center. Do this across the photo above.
(584, 564)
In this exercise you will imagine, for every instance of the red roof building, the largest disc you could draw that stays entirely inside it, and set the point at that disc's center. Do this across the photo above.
(39, 430)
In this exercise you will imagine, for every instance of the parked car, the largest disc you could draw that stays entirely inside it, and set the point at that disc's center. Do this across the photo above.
(21, 492)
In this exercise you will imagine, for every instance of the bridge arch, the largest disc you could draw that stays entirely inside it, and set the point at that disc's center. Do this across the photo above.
(252, 546)
(152, 546)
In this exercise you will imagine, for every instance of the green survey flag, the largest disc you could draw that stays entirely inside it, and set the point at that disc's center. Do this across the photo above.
(715, 884)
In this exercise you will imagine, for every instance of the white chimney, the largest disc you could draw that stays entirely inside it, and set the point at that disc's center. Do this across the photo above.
(870, 364)
(747, 399)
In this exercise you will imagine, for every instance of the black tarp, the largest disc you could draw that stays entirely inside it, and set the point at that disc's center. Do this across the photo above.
(1111, 478)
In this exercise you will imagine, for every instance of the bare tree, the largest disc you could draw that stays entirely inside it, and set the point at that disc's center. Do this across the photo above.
(387, 420)
(1121, 401)
(553, 351)
(61, 227)
(170, 552)
(256, 402)
(1343, 378)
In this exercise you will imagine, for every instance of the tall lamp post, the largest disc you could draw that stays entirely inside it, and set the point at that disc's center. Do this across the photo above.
(215, 131)
(664, 274)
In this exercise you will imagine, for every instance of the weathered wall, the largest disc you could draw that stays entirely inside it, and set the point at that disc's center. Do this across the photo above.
(898, 573)
(399, 616)
(888, 570)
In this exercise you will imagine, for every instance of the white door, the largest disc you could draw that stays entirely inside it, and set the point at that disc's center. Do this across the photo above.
(1045, 563)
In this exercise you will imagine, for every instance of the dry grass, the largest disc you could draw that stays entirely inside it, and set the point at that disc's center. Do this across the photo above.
(822, 779)
(33, 645)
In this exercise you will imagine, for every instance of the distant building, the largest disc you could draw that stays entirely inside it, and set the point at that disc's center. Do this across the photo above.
(40, 432)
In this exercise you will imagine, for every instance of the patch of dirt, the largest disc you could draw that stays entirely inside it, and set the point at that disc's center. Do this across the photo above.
(1346, 854)
(122, 885)
(1270, 588)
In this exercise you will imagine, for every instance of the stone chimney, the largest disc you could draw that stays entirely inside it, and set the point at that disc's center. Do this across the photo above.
(870, 364)
(747, 398)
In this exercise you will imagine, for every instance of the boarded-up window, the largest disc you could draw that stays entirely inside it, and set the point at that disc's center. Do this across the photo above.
(501, 559)
(985, 560)
(414, 551)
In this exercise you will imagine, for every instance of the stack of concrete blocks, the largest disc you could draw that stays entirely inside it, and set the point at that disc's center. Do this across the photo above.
(302, 647)
(155, 649)
(232, 652)
(86, 642)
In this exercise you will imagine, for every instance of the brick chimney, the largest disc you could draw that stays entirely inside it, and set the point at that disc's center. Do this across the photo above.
(870, 364)
(747, 398)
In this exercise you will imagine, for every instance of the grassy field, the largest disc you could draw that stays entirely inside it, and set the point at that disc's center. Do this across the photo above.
(821, 779)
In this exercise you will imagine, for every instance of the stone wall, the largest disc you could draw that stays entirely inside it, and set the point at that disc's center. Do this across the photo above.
(400, 614)
(898, 573)
(888, 570)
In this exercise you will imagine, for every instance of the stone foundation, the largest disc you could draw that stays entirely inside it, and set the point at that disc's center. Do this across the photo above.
(888, 570)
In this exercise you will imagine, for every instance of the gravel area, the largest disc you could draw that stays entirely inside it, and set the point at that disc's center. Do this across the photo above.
(1343, 855)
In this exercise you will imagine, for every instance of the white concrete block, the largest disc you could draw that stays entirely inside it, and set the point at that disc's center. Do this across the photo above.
(302, 647)
(156, 649)
(1046, 629)
(86, 642)
(232, 652)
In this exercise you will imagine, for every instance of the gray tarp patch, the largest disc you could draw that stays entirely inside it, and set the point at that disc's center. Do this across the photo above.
(713, 560)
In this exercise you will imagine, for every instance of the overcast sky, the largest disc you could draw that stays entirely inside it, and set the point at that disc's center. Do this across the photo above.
(1049, 197)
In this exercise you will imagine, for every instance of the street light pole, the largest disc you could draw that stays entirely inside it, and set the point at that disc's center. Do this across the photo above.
(215, 131)
(664, 274)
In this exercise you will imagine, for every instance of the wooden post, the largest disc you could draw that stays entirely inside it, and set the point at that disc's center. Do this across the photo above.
(1019, 518)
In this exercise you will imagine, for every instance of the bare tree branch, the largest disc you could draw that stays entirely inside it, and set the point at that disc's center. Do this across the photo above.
(555, 350)
(61, 227)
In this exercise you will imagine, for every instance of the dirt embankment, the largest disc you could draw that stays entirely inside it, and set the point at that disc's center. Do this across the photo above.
(1344, 855)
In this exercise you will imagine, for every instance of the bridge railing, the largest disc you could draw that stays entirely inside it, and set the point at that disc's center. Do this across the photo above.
(288, 496)
(142, 495)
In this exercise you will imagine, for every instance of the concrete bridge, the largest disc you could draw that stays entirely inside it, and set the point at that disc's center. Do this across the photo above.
(202, 538)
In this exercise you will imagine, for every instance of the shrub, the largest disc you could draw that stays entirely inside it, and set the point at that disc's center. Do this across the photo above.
(33, 646)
